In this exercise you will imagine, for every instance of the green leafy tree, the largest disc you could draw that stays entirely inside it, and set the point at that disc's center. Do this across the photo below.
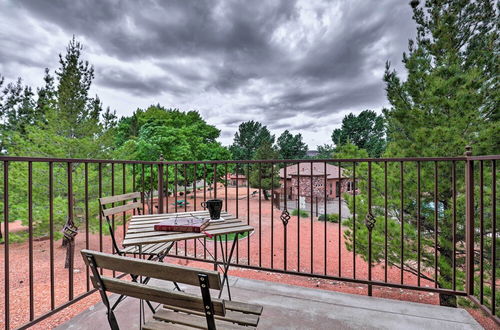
(448, 100)
(174, 135)
(262, 175)
(291, 146)
(250, 136)
(62, 121)
(366, 131)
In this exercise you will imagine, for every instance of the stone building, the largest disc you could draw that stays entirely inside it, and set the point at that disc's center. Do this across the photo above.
(300, 177)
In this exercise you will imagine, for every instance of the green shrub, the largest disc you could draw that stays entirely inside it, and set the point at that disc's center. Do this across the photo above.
(303, 214)
(329, 217)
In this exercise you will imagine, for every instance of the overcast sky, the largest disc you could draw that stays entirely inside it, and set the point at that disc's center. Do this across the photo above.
(300, 66)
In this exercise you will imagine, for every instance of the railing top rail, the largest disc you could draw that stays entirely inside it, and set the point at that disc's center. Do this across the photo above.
(486, 157)
(331, 160)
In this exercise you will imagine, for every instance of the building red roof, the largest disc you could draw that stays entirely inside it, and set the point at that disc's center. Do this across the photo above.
(318, 169)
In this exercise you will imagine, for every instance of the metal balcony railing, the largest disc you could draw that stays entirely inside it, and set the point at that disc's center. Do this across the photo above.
(426, 224)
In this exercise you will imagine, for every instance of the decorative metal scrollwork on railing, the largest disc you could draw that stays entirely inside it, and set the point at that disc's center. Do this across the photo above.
(285, 217)
(370, 221)
(70, 230)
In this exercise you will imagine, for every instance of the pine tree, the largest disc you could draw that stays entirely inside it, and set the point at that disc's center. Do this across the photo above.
(448, 100)
(291, 146)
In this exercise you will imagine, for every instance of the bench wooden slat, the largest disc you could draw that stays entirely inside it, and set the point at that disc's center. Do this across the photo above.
(168, 272)
(191, 320)
(159, 295)
(119, 198)
(121, 208)
(243, 307)
(231, 316)
(158, 325)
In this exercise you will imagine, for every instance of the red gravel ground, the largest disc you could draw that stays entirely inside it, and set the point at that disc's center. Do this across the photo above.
(270, 253)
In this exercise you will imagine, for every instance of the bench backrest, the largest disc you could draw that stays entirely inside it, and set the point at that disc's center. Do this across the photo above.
(157, 270)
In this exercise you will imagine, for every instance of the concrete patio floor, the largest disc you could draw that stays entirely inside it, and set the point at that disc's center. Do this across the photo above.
(293, 307)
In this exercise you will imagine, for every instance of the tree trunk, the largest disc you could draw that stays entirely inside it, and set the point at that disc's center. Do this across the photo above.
(266, 196)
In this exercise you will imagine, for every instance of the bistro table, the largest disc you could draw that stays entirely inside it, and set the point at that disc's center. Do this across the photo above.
(141, 232)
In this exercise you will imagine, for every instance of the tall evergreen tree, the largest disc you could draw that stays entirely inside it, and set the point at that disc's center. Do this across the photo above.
(448, 100)
(291, 146)
(250, 136)
(366, 131)
(451, 95)
(78, 114)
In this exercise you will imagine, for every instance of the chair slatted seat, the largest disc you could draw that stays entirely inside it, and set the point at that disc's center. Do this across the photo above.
(180, 310)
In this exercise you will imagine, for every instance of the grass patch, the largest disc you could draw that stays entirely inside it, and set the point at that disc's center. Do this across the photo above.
(329, 217)
(301, 213)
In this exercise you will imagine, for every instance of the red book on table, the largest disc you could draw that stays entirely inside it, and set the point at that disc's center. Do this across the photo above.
(190, 225)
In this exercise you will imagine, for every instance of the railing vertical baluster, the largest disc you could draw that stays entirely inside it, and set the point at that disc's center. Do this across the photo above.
(354, 224)
(195, 178)
(419, 225)
(402, 196)
(272, 215)
(100, 214)
(160, 188)
(286, 208)
(260, 214)
(298, 212)
(185, 203)
(175, 206)
(133, 182)
(86, 174)
(454, 229)
(469, 223)
(151, 189)
(311, 218)
(124, 190)
(369, 231)
(225, 189)
(70, 218)
(175, 188)
(340, 218)
(167, 192)
(185, 193)
(51, 234)
(481, 231)
(204, 199)
(143, 182)
(248, 211)
(215, 184)
(6, 244)
(436, 206)
(112, 205)
(326, 219)
(493, 235)
(30, 240)
(385, 223)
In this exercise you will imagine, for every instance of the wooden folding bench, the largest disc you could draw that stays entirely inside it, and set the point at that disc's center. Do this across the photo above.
(180, 309)
(131, 201)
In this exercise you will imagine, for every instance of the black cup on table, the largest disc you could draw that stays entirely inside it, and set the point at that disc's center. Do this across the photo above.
(214, 207)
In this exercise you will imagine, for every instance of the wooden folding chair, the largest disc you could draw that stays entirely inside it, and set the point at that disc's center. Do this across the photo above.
(129, 202)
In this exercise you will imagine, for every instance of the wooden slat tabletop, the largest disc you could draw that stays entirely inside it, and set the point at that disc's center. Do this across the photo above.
(141, 228)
